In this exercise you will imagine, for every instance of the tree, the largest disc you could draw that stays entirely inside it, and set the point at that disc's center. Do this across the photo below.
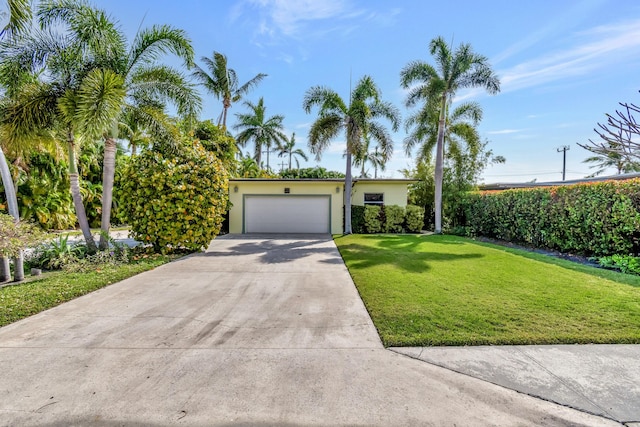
(619, 144)
(288, 149)
(261, 130)
(612, 159)
(79, 99)
(143, 85)
(453, 71)
(222, 82)
(357, 120)
(377, 158)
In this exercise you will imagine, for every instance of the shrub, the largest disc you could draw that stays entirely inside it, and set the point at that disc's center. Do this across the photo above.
(357, 220)
(394, 219)
(592, 219)
(57, 254)
(372, 219)
(414, 219)
(174, 200)
(17, 236)
(625, 263)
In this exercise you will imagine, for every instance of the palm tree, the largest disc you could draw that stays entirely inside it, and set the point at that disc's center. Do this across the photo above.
(356, 120)
(288, 149)
(460, 128)
(611, 159)
(263, 131)
(146, 85)
(454, 70)
(222, 82)
(78, 100)
(377, 158)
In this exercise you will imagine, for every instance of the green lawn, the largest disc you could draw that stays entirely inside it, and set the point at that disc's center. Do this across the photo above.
(447, 290)
(54, 288)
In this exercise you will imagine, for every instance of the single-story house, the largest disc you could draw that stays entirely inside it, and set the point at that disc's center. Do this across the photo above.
(304, 205)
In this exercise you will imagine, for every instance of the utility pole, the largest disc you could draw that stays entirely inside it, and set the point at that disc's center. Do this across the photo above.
(564, 150)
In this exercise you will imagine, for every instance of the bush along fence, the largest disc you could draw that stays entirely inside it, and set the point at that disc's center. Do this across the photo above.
(592, 219)
(386, 219)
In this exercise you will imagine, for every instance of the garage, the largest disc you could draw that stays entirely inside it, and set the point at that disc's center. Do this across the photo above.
(287, 214)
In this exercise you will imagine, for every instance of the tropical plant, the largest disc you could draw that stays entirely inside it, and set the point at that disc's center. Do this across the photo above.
(612, 159)
(376, 158)
(174, 200)
(56, 254)
(16, 236)
(288, 149)
(310, 173)
(223, 83)
(357, 120)
(248, 167)
(263, 131)
(216, 140)
(438, 85)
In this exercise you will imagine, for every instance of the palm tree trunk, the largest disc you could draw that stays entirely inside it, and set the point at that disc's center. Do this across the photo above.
(439, 167)
(290, 155)
(347, 195)
(5, 269)
(12, 204)
(77, 197)
(108, 173)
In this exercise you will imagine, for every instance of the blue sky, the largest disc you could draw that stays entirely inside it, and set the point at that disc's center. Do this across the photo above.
(562, 64)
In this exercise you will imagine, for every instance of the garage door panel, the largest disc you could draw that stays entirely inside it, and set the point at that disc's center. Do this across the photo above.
(286, 214)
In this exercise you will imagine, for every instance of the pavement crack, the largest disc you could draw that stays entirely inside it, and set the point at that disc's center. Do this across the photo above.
(565, 383)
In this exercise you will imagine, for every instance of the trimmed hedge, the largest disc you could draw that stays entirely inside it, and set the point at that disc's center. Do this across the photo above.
(598, 219)
(388, 219)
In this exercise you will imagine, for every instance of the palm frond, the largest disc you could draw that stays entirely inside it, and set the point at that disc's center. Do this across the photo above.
(149, 44)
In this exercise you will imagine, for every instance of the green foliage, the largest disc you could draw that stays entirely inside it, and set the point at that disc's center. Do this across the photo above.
(57, 254)
(357, 220)
(15, 237)
(624, 263)
(372, 219)
(592, 219)
(217, 141)
(310, 173)
(394, 219)
(174, 200)
(414, 219)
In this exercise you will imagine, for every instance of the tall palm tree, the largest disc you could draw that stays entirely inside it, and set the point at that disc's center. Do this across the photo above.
(79, 99)
(146, 85)
(460, 129)
(357, 120)
(288, 149)
(454, 70)
(265, 132)
(223, 83)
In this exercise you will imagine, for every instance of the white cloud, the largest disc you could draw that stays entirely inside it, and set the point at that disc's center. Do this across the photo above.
(598, 48)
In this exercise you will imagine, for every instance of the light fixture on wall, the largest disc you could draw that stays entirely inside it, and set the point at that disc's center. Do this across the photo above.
(235, 189)
(337, 190)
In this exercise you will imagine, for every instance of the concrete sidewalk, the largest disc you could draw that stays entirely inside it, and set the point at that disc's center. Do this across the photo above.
(599, 379)
(255, 331)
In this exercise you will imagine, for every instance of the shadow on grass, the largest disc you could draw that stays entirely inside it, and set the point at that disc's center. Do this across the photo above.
(404, 257)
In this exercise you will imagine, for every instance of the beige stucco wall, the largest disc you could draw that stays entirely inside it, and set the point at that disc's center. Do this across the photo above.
(395, 193)
(277, 187)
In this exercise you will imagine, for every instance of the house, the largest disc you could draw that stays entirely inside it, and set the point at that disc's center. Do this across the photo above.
(304, 205)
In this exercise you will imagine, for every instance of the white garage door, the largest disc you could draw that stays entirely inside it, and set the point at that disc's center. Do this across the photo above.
(286, 214)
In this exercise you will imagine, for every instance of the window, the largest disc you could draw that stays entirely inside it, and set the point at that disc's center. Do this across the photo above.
(373, 199)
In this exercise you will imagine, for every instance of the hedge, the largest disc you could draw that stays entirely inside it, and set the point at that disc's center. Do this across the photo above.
(593, 219)
(389, 219)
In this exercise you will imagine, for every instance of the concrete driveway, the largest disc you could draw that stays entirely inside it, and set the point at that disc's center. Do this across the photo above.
(255, 331)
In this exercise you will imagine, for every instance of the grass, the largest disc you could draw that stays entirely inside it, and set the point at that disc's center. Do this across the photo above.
(448, 290)
(54, 288)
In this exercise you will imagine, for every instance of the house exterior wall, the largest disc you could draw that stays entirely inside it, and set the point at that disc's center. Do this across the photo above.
(394, 193)
(277, 187)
